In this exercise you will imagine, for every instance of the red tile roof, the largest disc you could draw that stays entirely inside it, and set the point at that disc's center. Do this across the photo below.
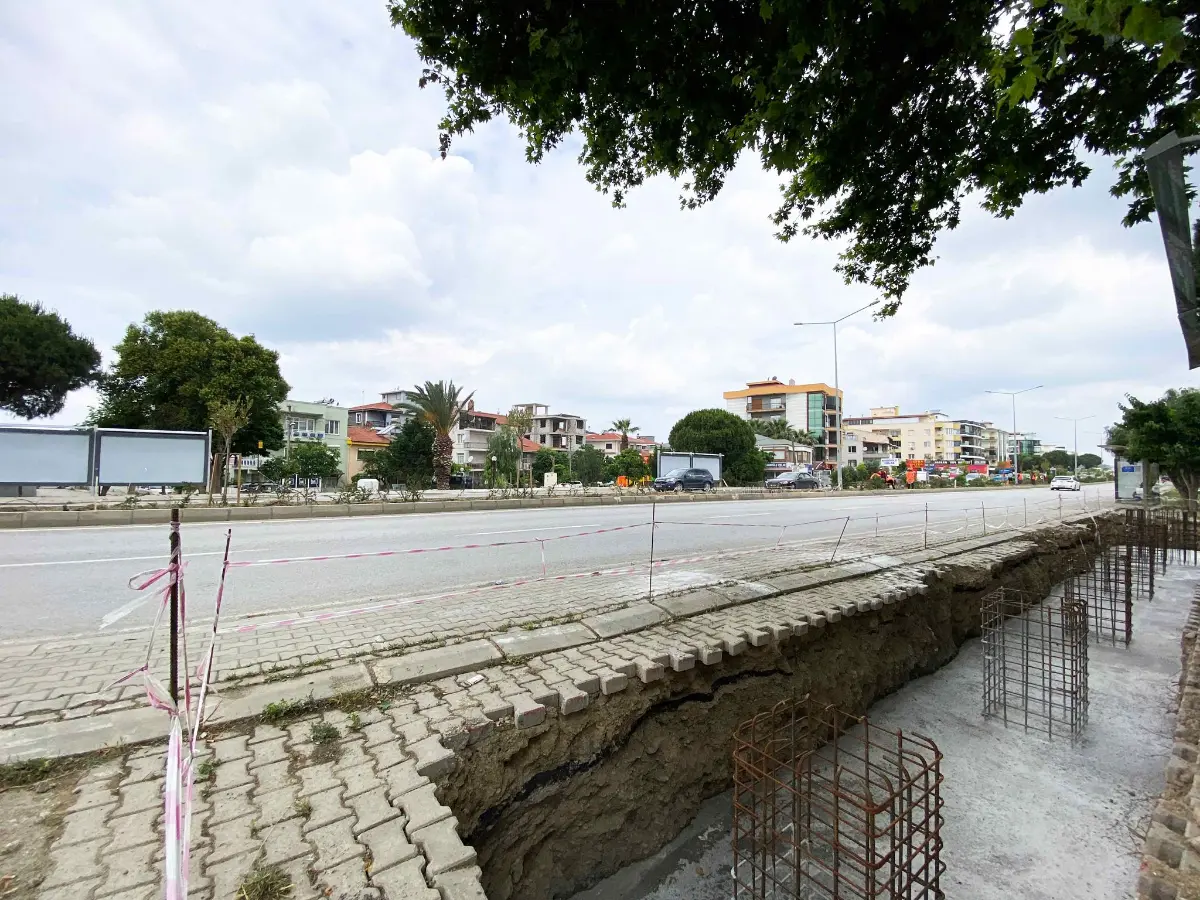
(360, 435)
(615, 436)
(379, 405)
(528, 446)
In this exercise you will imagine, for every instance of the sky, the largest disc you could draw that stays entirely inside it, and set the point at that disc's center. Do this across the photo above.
(274, 166)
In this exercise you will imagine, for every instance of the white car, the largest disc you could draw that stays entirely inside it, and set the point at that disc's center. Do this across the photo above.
(1065, 483)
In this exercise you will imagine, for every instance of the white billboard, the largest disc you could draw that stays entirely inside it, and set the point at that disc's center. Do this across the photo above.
(152, 457)
(1129, 478)
(45, 456)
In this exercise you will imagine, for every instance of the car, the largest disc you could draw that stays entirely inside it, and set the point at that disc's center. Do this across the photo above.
(684, 480)
(573, 485)
(791, 481)
(259, 487)
(1065, 483)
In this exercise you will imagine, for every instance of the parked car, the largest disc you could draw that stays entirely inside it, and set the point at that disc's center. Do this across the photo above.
(259, 487)
(685, 480)
(1065, 483)
(792, 481)
(573, 485)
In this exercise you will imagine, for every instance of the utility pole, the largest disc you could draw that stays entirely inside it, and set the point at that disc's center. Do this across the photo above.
(1016, 445)
(1075, 429)
(837, 388)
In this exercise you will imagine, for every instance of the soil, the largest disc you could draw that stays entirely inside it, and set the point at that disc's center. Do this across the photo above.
(30, 818)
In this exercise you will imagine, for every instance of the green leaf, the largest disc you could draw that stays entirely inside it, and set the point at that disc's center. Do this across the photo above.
(535, 39)
(766, 10)
(1023, 37)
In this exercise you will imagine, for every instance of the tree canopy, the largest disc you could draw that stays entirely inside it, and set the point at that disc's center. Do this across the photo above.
(720, 431)
(880, 118)
(407, 460)
(1089, 460)
(1165, 431)
(307, 459)
(41, 359)
(588, 463)
(176, 367)
(505, 445)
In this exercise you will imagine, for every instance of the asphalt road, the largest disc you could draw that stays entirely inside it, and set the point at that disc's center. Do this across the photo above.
(59, 581)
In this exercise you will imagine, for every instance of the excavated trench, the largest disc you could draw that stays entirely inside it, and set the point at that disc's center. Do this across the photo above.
(552, 810)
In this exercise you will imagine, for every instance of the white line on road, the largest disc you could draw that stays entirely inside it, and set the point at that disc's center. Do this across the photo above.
(122, 611)
(112, 559)
(524, 530)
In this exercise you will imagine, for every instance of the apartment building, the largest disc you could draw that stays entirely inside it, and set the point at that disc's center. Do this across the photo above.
(558, 431)
(811, 408)
(930, 435)
(609, 442)
(471, 435)
(862, 445)
(378, 415)
(324, 422)
(995, 443)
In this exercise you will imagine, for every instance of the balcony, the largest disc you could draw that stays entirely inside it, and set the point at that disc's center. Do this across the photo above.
(765, 404)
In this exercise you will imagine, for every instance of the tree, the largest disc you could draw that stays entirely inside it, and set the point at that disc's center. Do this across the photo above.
(1089, 460)
(439, 403)
(520, 420)
(505, 446)
(1164, 431)
(624, 428)
(589, 464)
(408, 459)
(41, 359)
(719, 431)
(543, 462)
(1059, 459)
(173, 368)
(630, 464)
(227, 418)
(314, 459)
(880, 117)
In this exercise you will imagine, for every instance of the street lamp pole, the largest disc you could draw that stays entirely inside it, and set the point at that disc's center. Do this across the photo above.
(1016, 449)
(1075, 430)
(837, 387)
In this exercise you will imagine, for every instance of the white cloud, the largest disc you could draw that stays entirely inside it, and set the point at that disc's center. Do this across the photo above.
(275, 166)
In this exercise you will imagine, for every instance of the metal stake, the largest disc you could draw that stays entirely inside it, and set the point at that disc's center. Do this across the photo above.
(174, 595)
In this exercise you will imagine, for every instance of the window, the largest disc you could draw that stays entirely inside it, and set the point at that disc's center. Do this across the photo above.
(927, 443)
(579, 424)
(852, 449)
(365, 454)
(332, 426)
(542, 424)
(542, 437)
(578, 439)
(608, 446)
(358, 418)
(927, 433)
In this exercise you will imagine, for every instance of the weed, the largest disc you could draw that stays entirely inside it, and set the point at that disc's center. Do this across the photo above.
(324, 733)
(355, 722)
(266, 884)
(304, 808)
(286, 710)
(33, 771)
(207, 770)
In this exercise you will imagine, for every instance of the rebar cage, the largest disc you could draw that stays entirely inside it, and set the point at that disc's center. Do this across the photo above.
(1035, 661)
(827, 805)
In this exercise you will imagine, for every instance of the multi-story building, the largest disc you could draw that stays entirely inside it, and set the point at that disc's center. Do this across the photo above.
(361, 444)
(972, 442)
(995, 443)
(471, 435)
(324, 422)
(609, 442)
(862, 445)
(811, 408)
(930, 435)
(379, 415)
(558, 431)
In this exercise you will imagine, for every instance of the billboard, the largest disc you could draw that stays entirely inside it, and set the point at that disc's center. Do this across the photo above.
(46, 456)
(668, 460)
(129, 456)
(1129, 478)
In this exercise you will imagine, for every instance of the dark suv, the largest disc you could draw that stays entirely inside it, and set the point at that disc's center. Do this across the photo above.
(685, 480)
(791, 481)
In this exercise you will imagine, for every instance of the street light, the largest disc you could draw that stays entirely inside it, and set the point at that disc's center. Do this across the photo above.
(493, 471)
(837, 388)
(1075, 429)
(1016, 450)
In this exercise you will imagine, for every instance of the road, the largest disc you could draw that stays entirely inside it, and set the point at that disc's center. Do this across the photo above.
(59, 581)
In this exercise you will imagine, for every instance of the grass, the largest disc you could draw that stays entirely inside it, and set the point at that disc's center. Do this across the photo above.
(266, 884)
(34, 771)
(304, 807)
(286, 710)
(324, 733)
(355, 722)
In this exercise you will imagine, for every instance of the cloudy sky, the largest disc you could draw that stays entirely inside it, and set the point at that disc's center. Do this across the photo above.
(274, 166)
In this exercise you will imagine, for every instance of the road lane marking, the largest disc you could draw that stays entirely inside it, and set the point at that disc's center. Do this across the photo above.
(122, 611)
(112, 559)
(525, 530)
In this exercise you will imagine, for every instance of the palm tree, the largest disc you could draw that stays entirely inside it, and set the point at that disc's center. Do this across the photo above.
(773, 428)
(625, 428)
(439, 404)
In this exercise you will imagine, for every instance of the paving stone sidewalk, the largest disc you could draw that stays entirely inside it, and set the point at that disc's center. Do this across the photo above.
(72, 678)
